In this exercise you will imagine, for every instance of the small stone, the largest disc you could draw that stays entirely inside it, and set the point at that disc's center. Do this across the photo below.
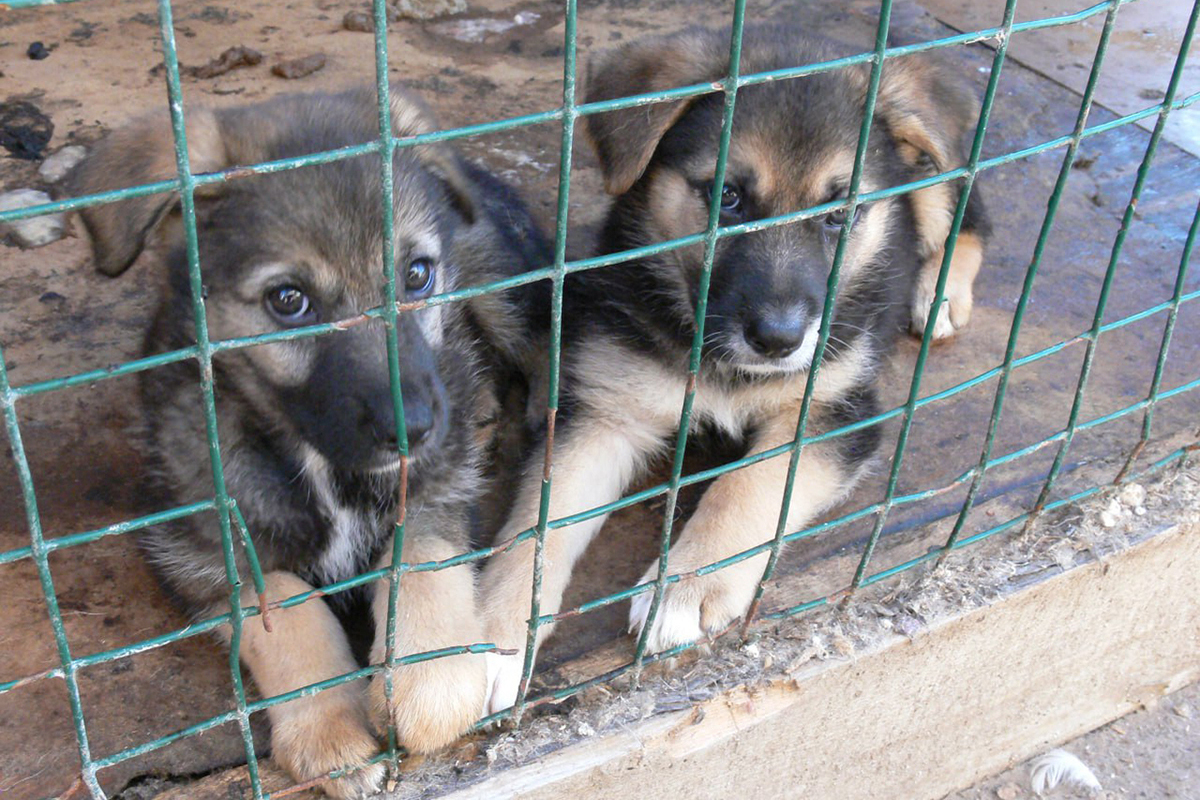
(1009, 791)
(1184, 710)
(299, 67)
(584, 729)
(31, 231)
(751, 650)
(1108, 519)
(359, 21)
(1139, 511)
(233, 58)
(427, 9)
(56, 166)
(1133, 494)
(37, 51)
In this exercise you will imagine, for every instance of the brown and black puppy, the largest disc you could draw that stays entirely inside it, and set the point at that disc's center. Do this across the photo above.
(629, 328)
(307, 425)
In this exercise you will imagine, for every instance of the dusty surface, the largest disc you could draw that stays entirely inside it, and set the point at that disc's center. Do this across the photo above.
(57, 316)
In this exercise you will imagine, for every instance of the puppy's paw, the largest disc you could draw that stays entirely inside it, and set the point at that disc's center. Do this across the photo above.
(503, 680)
(955, 312)
(433, 702)
(329, 734)
(694, 608)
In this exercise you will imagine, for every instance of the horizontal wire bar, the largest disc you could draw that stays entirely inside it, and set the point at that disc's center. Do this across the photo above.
(579, 265)
(646, 494)
(430, 566)
(551, 115)
(558, 695)
(117, 528)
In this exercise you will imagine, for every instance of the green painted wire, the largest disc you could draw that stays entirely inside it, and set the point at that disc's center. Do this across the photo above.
(1111, 271)
(939, 293)
(387, 147)
(581, 265)
(40, 557)
(1060, 185)
(195, 280)
(710, 247)
(1168, 330)
(570, 45)
(797, 446)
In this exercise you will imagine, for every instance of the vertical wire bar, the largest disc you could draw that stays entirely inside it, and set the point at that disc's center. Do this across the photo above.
(387, 147)
(860, 154)
(42, 560)
(960, 210)
(1039, 249)
(556, 302)
(710, 247)
(1168, 329)
(1093, 337)
(187, 185)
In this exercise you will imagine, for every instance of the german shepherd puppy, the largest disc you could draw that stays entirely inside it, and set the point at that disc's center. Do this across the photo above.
(307, 428)
(629, 328)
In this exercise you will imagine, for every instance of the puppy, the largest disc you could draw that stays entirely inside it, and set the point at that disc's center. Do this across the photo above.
(307, 427)
(628, 329)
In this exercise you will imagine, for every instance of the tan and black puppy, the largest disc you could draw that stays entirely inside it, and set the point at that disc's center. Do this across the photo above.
(307, 425)
(629, 328)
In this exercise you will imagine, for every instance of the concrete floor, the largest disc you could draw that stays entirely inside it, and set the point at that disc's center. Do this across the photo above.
(58, 317)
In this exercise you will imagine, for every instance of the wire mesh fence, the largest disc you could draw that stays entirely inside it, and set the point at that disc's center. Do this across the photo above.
(234, 533)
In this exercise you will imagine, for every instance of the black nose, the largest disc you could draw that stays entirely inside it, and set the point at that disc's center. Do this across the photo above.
(775, 335)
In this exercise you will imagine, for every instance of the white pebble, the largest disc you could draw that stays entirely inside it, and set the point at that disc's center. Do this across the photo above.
(1133, 494)
(56, 167)
(31, 231)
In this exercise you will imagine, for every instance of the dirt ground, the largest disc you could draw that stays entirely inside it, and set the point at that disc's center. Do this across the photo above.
(501, 59)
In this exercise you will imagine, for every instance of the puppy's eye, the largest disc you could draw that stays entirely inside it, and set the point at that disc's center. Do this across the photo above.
(291, 306)
(731, 199)
(418, 278)
(836, 219)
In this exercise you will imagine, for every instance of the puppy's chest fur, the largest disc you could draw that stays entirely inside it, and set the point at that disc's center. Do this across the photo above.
(356, 512)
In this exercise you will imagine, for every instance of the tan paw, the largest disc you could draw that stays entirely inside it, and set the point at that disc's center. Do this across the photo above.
(955, 311)
(434, 702)
(327, 734)
(695, 608)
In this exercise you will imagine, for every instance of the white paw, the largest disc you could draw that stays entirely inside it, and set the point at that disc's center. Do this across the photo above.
(694, 608)
(503, 680)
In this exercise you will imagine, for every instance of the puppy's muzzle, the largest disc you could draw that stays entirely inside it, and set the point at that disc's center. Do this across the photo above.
(775, 333)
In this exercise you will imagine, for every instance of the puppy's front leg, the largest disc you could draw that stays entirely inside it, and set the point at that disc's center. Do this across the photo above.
(310, 736)
(740, 510)
(434, 701)
(593, 463)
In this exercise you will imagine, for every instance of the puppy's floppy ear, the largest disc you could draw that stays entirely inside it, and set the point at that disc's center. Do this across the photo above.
(141, 152)
(927, 110)
(625, 140)
(411, 117)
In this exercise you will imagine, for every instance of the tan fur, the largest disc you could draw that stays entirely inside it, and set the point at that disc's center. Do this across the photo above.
(739, 511)
(959, 297)
(310, 736)
(433, 701)
(118, 229)
(592, 466)
(653, 64)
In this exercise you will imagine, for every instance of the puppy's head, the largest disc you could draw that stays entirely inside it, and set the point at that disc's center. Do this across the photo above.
(792, 147)
(299, 247)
